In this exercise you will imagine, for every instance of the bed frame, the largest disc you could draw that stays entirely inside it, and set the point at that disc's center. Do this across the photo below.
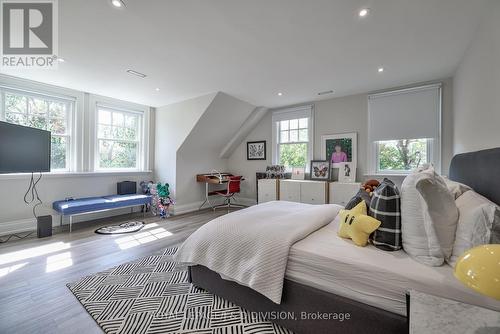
(479, 170)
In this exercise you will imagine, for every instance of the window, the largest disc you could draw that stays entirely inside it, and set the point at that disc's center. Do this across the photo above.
(402, 155)
(46, 113)
(119, 142)
(404, 129)
(293, 133)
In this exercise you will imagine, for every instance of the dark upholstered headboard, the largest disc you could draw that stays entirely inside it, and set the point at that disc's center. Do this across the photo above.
(479, 170)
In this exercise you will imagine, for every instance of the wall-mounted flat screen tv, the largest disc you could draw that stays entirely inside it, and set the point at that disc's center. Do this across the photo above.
(23, 149)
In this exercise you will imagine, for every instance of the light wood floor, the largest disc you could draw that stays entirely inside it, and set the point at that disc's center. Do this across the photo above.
(34, 272)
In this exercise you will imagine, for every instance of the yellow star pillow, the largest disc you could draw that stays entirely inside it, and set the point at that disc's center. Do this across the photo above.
(355, 224)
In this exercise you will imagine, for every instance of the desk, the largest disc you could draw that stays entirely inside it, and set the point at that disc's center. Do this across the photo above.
(211, 178)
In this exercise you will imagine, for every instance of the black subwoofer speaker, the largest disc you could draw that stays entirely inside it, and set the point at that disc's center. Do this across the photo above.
(126, 187)
(44, 226)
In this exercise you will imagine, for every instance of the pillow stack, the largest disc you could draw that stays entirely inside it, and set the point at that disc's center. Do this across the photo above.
(385, 207)
(441, 219)
(361, 196)
(429, 217)
(356, 225)
(383, 204)
(478, 224)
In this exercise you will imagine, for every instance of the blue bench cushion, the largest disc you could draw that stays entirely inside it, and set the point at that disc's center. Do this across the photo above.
(90, 204)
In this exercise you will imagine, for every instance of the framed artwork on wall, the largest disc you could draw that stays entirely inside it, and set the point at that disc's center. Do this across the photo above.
(320, 170)
(339, 148)
(256, 150)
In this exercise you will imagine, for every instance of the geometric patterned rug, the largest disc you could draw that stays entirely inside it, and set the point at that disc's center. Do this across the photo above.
(153, 295)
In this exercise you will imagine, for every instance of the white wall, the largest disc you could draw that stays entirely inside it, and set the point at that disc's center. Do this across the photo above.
(238, 163)
(200, 152)
(477, 88)
(190, 137)
(337, 115)
(16, 216)
(81, 181)
(173, 124)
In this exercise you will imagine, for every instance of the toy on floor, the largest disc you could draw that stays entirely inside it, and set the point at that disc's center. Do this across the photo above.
(161, 199)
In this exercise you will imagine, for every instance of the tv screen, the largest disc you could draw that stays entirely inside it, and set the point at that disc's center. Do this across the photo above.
(23, 149)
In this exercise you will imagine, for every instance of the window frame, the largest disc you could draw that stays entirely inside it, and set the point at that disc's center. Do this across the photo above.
(69, 119)
(140, 154)
(293, 113)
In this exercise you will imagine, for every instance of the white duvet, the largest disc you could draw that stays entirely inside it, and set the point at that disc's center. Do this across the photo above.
(251, 246)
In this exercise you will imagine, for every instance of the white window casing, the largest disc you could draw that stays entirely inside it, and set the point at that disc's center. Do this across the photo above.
(293, 113)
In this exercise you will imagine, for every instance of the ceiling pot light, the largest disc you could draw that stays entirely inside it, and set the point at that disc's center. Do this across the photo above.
(118, 3)
(380, 70)
(280, 94)
(364, 12)
(157, 89)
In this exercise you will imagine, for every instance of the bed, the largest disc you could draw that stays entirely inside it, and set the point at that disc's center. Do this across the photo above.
(327, 275)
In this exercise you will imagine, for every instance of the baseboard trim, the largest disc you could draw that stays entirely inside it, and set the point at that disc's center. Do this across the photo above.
(180, 209)
(29, 224)
(18, 226)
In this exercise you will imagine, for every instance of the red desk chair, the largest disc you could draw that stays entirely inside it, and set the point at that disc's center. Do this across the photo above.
(233, 187)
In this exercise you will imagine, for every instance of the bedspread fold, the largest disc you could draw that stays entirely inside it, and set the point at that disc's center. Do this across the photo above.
(251, 246)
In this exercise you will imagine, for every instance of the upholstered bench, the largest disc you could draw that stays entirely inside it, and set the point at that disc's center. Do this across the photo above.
(81, 206)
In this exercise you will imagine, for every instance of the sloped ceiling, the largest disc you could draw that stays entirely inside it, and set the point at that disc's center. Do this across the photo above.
(200, 151)
(254, 49)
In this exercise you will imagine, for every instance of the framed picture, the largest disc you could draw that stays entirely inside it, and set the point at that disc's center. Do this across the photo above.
(347, 172)
(339, 148)
(298, 173)
(256, 150)
(320, 170)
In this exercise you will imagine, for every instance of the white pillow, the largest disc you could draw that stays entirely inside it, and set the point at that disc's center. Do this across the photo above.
(440, 211)
(456, 188)
(478, 219)
(428, 217)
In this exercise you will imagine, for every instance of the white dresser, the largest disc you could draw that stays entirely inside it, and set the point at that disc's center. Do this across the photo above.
(267, 190)
(341, 193)
(304, 191)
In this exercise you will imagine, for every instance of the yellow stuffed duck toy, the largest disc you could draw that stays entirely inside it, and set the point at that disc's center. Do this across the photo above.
(355, 224)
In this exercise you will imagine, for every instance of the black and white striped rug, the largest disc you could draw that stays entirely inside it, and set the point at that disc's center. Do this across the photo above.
(153, 295)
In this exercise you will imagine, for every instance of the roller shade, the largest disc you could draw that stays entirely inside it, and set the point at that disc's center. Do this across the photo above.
(405, 114)
(292, 113)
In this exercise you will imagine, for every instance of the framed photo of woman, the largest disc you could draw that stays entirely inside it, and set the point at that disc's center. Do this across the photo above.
(339, 148)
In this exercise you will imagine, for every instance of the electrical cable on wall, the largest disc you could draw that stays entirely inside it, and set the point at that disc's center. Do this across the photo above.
(34, 193)
(30, 196)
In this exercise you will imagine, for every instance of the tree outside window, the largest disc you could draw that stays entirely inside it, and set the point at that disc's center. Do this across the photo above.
(118, 139)
(293, 142)
(43, 113)
(402, 155)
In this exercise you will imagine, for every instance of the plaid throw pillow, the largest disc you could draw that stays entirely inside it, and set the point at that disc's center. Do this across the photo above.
(362, 195)
(386, 207)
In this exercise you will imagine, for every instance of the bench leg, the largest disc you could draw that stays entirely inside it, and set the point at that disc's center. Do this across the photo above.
(61, 221)
(70, 223)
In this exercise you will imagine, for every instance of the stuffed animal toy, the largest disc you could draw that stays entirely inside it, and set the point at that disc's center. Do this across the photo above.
(146, 187)
(163, 190)
(370, 185)
(356, 225)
